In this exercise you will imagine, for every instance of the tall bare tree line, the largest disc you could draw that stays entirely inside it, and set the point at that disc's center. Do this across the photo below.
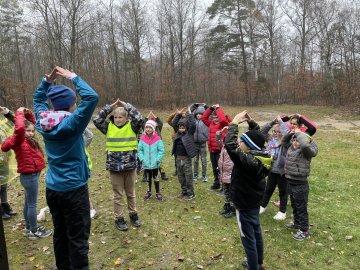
(169, 52)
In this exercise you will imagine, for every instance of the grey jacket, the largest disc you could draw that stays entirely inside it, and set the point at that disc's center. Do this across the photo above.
(297, 164)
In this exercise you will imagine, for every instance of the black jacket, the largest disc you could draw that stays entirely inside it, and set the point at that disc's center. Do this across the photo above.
(187, 138)
(249, 172)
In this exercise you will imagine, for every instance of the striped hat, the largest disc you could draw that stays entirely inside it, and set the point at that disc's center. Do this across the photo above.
(253, 139)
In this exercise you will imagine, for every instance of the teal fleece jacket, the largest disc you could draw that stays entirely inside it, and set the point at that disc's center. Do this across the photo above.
(64, 145)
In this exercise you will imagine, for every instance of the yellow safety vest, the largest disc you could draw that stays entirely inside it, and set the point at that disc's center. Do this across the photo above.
(121, 139)
(88, 159)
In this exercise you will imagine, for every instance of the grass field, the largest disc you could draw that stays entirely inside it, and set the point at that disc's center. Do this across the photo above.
(192, 235)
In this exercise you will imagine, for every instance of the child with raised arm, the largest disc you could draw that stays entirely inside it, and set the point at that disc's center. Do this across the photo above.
(121, 145)
(5, 208)
(151, 153)
(184, 149)
(251, 165)
(68, 170)
(30, 160)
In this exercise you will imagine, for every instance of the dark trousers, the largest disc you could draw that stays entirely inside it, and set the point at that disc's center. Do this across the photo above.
(227, 192)
(299, 196)
(185, 174)
(153, 174)
(71, 218)
(214, 158)
(251, 237)
(275, 179)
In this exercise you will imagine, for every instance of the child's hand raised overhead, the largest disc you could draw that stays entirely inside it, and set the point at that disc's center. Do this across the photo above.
(240, 117)
(117, 103)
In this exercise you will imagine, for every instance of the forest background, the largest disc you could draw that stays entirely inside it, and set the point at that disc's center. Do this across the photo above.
(166, 53)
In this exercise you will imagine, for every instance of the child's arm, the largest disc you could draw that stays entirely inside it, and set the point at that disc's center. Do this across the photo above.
(311, 126)
(206, 116)
(221, 116)
(99, 119)
(161, 152)
(192, 125)
(141, 151)
(8, 114)
(19, 133)
(135, 116)
(308, 147)
(159, 123)
(175, 122)
(29, 115)
(171, 118)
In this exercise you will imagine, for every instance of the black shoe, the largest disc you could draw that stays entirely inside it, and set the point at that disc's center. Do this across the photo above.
(164, 177)
(120, 224)
(229, 214)
(225, 209)
(134, 219)
(7, 209)
(215, 186)
(3, 214)
(246, 265)
(145, 178)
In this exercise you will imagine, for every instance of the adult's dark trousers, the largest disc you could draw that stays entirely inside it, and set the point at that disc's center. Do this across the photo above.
(299, 196)
(275, 179)
(71, 218)
(214, 158)
(251, 236)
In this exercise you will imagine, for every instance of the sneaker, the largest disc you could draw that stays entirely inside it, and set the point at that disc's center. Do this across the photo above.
(189, 197)
(195, 177)
(40, 233)
(147, 195)
(92, 213)
(164, 177)
(121, 225)
(280, 216)
(229, 214)
(225, 209)
(134, 219)
(300, 235)
(262, 210)
(26, 232)
(292, 226)
(159, 197)
(204, 178)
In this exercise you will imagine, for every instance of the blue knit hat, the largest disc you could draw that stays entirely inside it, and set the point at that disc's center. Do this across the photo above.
(253, 139)
(61, 97)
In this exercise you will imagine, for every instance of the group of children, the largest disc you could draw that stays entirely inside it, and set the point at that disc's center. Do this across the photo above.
(240, 164)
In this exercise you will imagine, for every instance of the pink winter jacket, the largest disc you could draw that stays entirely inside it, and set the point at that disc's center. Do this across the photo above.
(225, 164)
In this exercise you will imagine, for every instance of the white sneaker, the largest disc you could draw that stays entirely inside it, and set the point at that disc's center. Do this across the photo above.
(92, 213)
(262, 210)
(280, 216)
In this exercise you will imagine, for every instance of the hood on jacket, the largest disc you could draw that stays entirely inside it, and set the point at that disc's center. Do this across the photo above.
(183, 122)
(199, 110)
(50, 119)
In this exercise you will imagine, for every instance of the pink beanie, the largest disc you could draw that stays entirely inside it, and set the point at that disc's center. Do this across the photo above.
(151, 123)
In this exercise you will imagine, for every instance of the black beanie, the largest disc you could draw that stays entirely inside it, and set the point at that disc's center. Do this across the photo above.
(253, 139)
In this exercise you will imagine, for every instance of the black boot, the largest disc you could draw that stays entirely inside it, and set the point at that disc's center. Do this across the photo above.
(3, 214)
(225, 208)
(121, 225)
(163, 176)
(145, 177)
(7, 209)
(134, 219)
(231, 212)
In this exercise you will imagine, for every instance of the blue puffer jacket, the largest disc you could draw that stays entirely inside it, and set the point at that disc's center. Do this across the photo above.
(68, 167)
(151, 151)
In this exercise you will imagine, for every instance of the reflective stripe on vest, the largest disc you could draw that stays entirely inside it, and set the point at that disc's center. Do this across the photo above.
(121, 139)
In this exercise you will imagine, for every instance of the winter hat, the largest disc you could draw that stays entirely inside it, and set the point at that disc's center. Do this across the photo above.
(61, 97)
(151, 123)
(182, 122)
(199, 110)
(253, 139)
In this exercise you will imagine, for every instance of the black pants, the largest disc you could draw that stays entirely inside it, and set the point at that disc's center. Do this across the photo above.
(299, 195)
(71, 218)
(153, 174)
(251, 236)
(214, 158)
(275, 179)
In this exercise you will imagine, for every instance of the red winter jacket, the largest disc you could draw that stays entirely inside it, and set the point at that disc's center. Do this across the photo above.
(224, 120)
(29, 159)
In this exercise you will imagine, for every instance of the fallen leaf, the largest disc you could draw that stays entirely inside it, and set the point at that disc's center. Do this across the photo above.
(199, 266)
(348, 237)
(29, 254)
(118, 262)
(151, 262)
(180, 258)
(31, 258)
(217, 257)
(45, 248)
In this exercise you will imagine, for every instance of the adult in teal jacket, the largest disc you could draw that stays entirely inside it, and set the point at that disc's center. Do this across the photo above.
(68, 172)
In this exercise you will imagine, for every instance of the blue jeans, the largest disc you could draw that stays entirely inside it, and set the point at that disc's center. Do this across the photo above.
(30, 182)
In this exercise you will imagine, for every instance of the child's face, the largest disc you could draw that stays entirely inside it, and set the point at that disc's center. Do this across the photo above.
(119, 120)
(198, 116)
(30, 131)
(215, 119)
(182, 129)
(295, 143)
(148, 130)
(294, 123)
(276, 133)
(243, 146)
